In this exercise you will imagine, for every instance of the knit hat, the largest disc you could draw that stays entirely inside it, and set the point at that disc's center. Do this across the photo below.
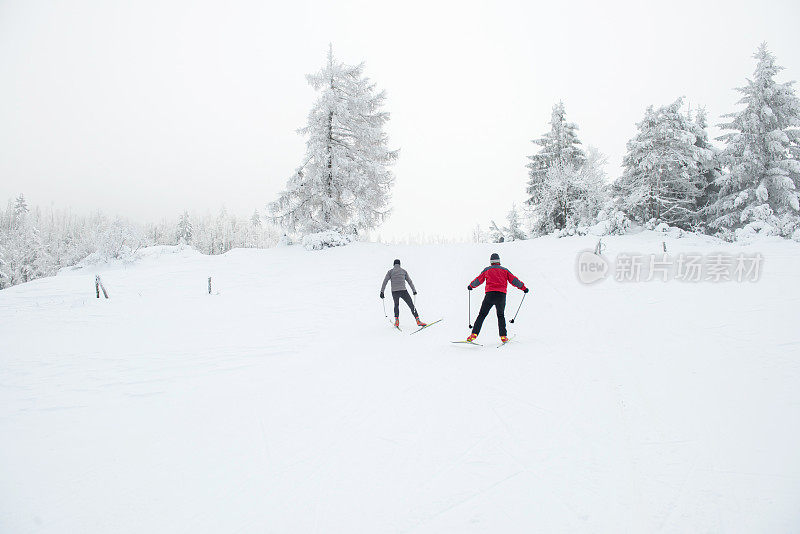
(495, 258)
(397, 262)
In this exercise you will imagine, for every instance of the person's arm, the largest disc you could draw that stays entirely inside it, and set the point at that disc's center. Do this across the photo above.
(516, 282)
(385, 280)
(408, 279)
(481, 278)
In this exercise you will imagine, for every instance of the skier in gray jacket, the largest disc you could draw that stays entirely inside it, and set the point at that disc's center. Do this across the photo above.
(399, 276)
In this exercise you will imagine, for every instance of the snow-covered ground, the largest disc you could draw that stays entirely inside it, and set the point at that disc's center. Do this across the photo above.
(285, 402)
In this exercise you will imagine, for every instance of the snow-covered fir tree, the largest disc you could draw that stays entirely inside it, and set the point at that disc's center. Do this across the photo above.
(161, 233)
(345, 183)
(221, 233)
(24, 255)
(478, 235)
(184, 228)
(5, 275)
(255, 220)
(559, 146)
(594, 188)
(662, 177)
(571, 194)
(496, 234)
(708, 169)
(761, 169)
(514, 230)
(119, 240)
(20, 208)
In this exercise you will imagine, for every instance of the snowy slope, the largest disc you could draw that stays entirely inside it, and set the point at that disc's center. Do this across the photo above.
(286, 403)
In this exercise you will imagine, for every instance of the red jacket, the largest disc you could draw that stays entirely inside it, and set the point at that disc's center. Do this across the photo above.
(497, 278)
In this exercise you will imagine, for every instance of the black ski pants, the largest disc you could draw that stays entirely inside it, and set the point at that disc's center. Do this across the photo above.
(498, 300)
(403, 294)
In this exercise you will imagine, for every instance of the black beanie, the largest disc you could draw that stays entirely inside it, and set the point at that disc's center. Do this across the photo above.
(397, 262)
(495, 257)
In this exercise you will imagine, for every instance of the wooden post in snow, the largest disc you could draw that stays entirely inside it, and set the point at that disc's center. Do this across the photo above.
(98, 285)
(209, 285)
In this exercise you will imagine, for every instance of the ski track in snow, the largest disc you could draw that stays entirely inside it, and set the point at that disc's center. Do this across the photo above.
(283, 403)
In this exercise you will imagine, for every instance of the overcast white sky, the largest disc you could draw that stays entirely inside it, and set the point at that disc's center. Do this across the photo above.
(149, 107)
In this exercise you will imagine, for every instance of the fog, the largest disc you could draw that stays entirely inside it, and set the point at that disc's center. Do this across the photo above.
(150, 108)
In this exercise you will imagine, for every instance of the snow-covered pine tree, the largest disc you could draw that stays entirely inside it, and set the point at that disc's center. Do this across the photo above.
(5, 243)
(478, 235)
(224, 233)
(496, 234)
(119, 240)
(708, 169)
(5, 276)
(514, 229)
(571, 195)
(160, 233)
(759, 184)
(24, 255)
(794, 150)
(344, 184)
(185, 228)
(661, 178)
(20, 208)
(559, 146)
(591, 189)
(255, 220)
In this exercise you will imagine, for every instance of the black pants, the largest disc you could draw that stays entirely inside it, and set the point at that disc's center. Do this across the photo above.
(498, 300)
(397, 295)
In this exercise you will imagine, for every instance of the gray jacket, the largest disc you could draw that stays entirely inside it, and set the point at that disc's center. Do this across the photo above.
(398, 276)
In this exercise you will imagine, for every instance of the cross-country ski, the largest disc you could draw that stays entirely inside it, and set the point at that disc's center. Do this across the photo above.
(421, 328)
(506, 342)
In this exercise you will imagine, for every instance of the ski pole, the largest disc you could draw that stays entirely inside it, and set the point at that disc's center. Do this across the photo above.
(469, 308)
(383, 301)
(520, 306)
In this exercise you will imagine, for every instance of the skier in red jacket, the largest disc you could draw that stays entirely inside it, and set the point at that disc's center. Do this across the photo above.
(497, 279)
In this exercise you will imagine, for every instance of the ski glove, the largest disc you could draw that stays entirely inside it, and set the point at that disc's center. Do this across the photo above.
(469, 287)
(415, 292)
(381, 294)
(526, 290)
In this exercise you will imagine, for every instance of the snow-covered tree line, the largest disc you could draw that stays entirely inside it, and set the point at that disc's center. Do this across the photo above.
(673, 174)
(669, 175)
(217, 234)
(35, 243)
